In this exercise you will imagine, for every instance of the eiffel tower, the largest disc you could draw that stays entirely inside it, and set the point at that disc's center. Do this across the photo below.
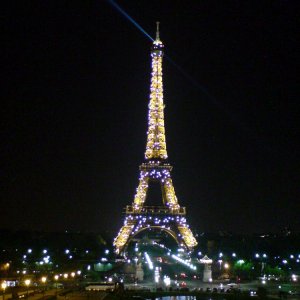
(169, 217)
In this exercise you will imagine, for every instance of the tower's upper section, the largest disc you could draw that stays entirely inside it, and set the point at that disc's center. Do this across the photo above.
(156, 141)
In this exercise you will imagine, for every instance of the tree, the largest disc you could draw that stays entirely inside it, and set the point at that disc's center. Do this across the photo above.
(243, 269)
(276, 271)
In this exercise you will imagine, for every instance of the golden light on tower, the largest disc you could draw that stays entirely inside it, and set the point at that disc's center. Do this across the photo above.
(156, 140)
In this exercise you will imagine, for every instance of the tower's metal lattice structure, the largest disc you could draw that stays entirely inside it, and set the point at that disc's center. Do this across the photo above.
(169, 217)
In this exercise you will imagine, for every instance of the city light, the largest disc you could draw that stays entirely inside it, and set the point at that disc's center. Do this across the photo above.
(3, 286)
(27, 282)
(167, 280)
(184, 262)
(220, 262)
(43, 279)
(150, 264)
(156, 275)
(46, 259)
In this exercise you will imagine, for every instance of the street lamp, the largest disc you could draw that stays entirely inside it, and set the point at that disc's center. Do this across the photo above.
(56, 278)
(43, 280)
(3, 286)
(27, 283)
(211, 282)
(220, 262)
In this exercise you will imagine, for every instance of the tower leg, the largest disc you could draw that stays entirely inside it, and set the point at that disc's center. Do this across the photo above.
(122, 238)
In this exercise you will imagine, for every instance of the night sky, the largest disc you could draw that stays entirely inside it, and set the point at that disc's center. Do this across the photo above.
(75, 89)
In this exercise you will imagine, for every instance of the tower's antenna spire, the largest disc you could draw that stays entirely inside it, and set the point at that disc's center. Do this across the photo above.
(157, 31)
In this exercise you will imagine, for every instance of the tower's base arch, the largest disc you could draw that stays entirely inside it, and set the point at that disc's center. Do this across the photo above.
(157, 218)
(151, 236)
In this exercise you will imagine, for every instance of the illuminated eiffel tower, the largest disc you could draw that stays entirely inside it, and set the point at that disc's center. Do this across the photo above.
(170, 217)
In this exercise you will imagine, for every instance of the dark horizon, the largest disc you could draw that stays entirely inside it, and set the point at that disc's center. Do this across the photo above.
(76, 83)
